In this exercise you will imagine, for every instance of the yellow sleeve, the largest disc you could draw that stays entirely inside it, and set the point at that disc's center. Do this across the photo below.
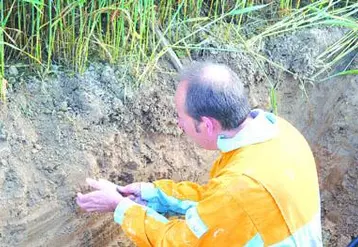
(166, 196)
(207, 223)
(182, 191)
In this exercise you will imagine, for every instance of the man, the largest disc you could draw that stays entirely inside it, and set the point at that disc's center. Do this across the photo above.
(263, 189)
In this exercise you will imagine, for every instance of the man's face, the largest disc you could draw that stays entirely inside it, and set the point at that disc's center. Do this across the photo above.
(197, 131)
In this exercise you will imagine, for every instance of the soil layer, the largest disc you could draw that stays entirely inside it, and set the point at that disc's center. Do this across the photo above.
(56, 132)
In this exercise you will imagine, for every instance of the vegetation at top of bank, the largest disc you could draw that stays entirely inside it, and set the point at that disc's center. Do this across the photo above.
(69, 32)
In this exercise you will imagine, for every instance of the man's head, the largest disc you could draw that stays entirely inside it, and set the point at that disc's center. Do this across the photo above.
(210, 99)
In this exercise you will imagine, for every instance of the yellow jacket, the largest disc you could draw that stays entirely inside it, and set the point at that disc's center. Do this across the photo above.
(262, 194)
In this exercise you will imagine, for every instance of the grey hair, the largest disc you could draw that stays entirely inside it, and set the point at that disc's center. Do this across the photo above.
(214, 90)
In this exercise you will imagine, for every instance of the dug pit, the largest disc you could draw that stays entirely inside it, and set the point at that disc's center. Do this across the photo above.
(55, 133)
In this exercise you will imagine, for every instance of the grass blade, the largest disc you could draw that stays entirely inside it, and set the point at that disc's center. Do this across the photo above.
(247, 9)
(343, 73)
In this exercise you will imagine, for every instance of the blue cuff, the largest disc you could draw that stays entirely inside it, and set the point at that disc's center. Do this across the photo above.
(161, 202)
(151, 194)
(148, 191)
(121, 209)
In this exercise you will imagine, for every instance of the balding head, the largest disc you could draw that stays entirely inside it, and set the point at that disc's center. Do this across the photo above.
(214, 90)
(218, 74)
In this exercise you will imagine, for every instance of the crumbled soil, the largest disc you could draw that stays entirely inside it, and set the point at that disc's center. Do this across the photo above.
(327, 119)
(57, 131)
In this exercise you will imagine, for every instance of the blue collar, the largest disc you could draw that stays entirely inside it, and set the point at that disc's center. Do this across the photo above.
(262, 128)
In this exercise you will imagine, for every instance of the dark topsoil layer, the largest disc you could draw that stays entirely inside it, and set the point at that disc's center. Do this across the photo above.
(55, 133)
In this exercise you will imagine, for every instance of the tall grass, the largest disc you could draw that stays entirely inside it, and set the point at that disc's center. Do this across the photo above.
(70, 31)
(322, 13)
(2, 53)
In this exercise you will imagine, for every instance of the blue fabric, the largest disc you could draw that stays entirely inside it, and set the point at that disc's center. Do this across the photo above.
(121, 208)
(308, 235)
(148, 191)
(195, 223)
(261, 128)
(168, 204)
(256, 241)
(162, 203)
(271, 117)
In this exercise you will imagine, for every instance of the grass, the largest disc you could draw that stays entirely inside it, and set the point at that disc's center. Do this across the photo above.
(321, 13)
(69, 32)
(2, 54)
(342, 73)
(318, 14)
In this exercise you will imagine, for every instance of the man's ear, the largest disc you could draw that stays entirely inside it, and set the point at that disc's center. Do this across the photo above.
(209, 125)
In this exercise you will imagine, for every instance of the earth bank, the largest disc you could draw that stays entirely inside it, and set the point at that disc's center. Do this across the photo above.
(57, 131)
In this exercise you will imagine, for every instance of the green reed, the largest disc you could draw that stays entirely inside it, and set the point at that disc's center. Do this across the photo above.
(69, 32)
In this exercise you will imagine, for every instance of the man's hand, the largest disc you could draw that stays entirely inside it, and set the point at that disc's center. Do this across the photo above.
(105, 198)
(133, 192)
